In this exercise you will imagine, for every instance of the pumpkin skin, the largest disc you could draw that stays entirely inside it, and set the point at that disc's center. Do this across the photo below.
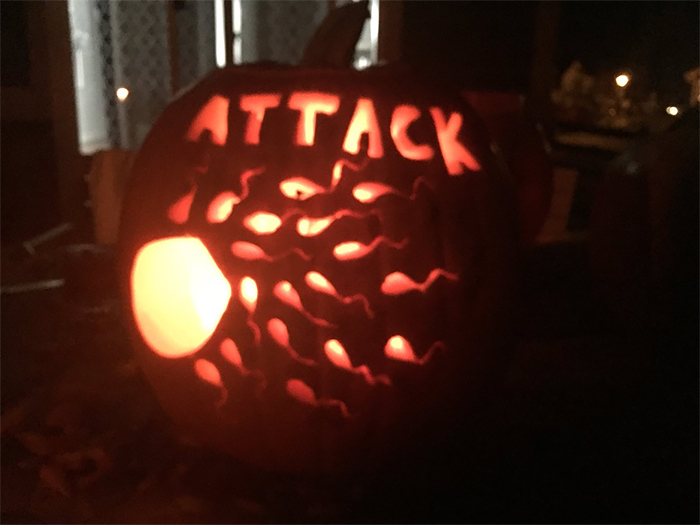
(307, 355)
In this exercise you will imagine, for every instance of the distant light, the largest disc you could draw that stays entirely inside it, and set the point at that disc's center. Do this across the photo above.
(672, 110)
(622, 80)
(122, 94)
(362, 62)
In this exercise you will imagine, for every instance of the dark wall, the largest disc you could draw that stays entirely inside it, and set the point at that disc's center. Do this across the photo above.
(15, 44)
(27, 161)
(480, 45)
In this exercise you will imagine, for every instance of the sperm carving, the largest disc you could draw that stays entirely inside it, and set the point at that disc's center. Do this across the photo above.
(286, 293)
(207, 372)
(368, 192)
(338, 356)
(266, 223)
(245, 181)
(302, 392)
(301, 188)
(179, 212)
(248, 294)
(252, 252)
(354, 249)
(310, 227)
(398, 348)
(397, 283)
(221, 207)
(319, 283)
(337, 172)
(229, 351)
(279, 332)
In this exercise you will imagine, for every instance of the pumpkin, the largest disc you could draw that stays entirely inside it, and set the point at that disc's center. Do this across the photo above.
(316, 263)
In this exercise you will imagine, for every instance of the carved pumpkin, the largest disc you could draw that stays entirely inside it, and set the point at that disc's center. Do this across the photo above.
(315, 261)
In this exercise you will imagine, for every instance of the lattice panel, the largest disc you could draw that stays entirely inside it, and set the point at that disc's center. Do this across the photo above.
(125, 44)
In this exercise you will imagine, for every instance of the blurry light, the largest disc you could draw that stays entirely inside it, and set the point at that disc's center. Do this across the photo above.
(612, 112)
(622, 80)
(362, 62)
(672, 110)
(122, 94)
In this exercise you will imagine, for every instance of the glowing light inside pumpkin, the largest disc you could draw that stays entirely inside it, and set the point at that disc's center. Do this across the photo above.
(208, 372)
(262, 223)
(336, 174)
(212, 117)
(319, 283)
(249, 293)
(397, 283)
(245, 181)
(299, 188)
(310, 227)
(337, 354)
(279, 332)
(368, 192)
(354, 250)
(403, 116)
(453, 152)
(248, 251)
(303, 393)
(307, 227)
(178, 295)
(229, 350)
(255, 106)
(221, 207)
(397, 347)
(252, 252)
(310, 104)
(364, 121)
(285, 292)
(179, 212)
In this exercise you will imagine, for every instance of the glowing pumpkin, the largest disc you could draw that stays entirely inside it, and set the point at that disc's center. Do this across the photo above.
(315, 261)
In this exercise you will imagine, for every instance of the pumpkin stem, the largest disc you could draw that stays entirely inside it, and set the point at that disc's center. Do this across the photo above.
(333, 44)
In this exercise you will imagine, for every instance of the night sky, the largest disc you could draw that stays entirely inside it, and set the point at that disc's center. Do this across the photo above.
(658, 40)
(489, 45)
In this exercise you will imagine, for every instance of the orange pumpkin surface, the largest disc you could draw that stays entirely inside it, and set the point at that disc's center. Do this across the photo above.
(316, 262)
